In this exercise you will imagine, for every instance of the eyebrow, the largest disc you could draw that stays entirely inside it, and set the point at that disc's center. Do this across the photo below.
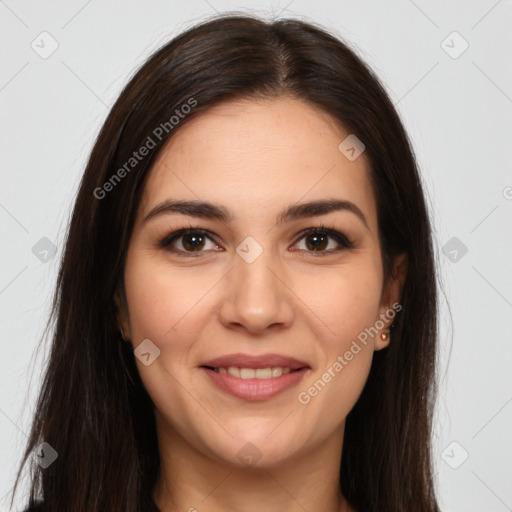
(205, 210)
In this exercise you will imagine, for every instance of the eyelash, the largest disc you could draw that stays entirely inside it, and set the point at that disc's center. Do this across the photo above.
(342, 240)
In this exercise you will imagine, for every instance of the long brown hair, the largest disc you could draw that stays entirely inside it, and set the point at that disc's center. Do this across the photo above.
(93, 408)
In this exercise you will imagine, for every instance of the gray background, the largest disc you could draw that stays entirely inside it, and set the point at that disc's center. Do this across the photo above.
(456, 108)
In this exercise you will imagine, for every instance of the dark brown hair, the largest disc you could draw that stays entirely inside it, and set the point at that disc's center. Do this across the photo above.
(93, 409)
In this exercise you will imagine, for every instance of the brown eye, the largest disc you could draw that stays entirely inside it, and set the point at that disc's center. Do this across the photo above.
(193, 242)
(187, 241)
(318, 239)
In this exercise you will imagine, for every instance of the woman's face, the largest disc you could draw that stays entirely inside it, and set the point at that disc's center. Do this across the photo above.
(256, 284)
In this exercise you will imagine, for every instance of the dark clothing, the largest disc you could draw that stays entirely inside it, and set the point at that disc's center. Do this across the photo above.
(37, 508)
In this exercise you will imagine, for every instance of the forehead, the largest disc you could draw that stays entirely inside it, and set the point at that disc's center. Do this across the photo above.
(256, 156)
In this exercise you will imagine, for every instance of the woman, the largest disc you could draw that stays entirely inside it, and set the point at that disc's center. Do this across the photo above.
(245, 314)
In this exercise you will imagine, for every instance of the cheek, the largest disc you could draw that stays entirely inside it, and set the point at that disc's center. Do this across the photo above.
(345, 301)
(161, 300)
(348, 306)
(163, 307)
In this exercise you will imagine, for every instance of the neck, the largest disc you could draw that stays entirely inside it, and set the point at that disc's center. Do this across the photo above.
(189, 480)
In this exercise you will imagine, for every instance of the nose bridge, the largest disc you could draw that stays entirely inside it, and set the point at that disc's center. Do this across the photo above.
(259, 298)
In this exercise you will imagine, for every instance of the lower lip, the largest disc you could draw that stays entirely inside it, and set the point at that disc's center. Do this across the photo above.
(255, 389)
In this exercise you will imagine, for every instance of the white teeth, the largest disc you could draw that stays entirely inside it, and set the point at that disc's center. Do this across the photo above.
(263, 373)
(247, 373)
(235, 372)
(277, 372)
(252, 373)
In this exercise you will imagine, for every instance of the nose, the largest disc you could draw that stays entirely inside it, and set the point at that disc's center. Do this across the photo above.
(257, 296)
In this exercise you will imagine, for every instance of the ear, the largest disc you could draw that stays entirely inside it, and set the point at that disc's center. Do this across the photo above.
(122, 316)
(390, 301)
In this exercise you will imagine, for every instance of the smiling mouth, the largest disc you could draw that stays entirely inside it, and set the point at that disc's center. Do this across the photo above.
(255, 384)
(253, 373)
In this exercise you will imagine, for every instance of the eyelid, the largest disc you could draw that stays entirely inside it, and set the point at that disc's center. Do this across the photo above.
(168, 239)
(332, 232)
(343, 240)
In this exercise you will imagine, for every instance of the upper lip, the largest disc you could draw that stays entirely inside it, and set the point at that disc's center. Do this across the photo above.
(261, 361)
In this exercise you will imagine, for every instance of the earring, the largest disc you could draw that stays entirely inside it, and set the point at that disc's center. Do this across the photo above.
(122, 334)
(384, 336)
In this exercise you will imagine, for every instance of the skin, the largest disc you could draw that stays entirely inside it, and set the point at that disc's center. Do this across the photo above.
(240, 154)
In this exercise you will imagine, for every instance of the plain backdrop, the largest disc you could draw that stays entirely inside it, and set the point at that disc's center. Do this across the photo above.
(447, 67)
